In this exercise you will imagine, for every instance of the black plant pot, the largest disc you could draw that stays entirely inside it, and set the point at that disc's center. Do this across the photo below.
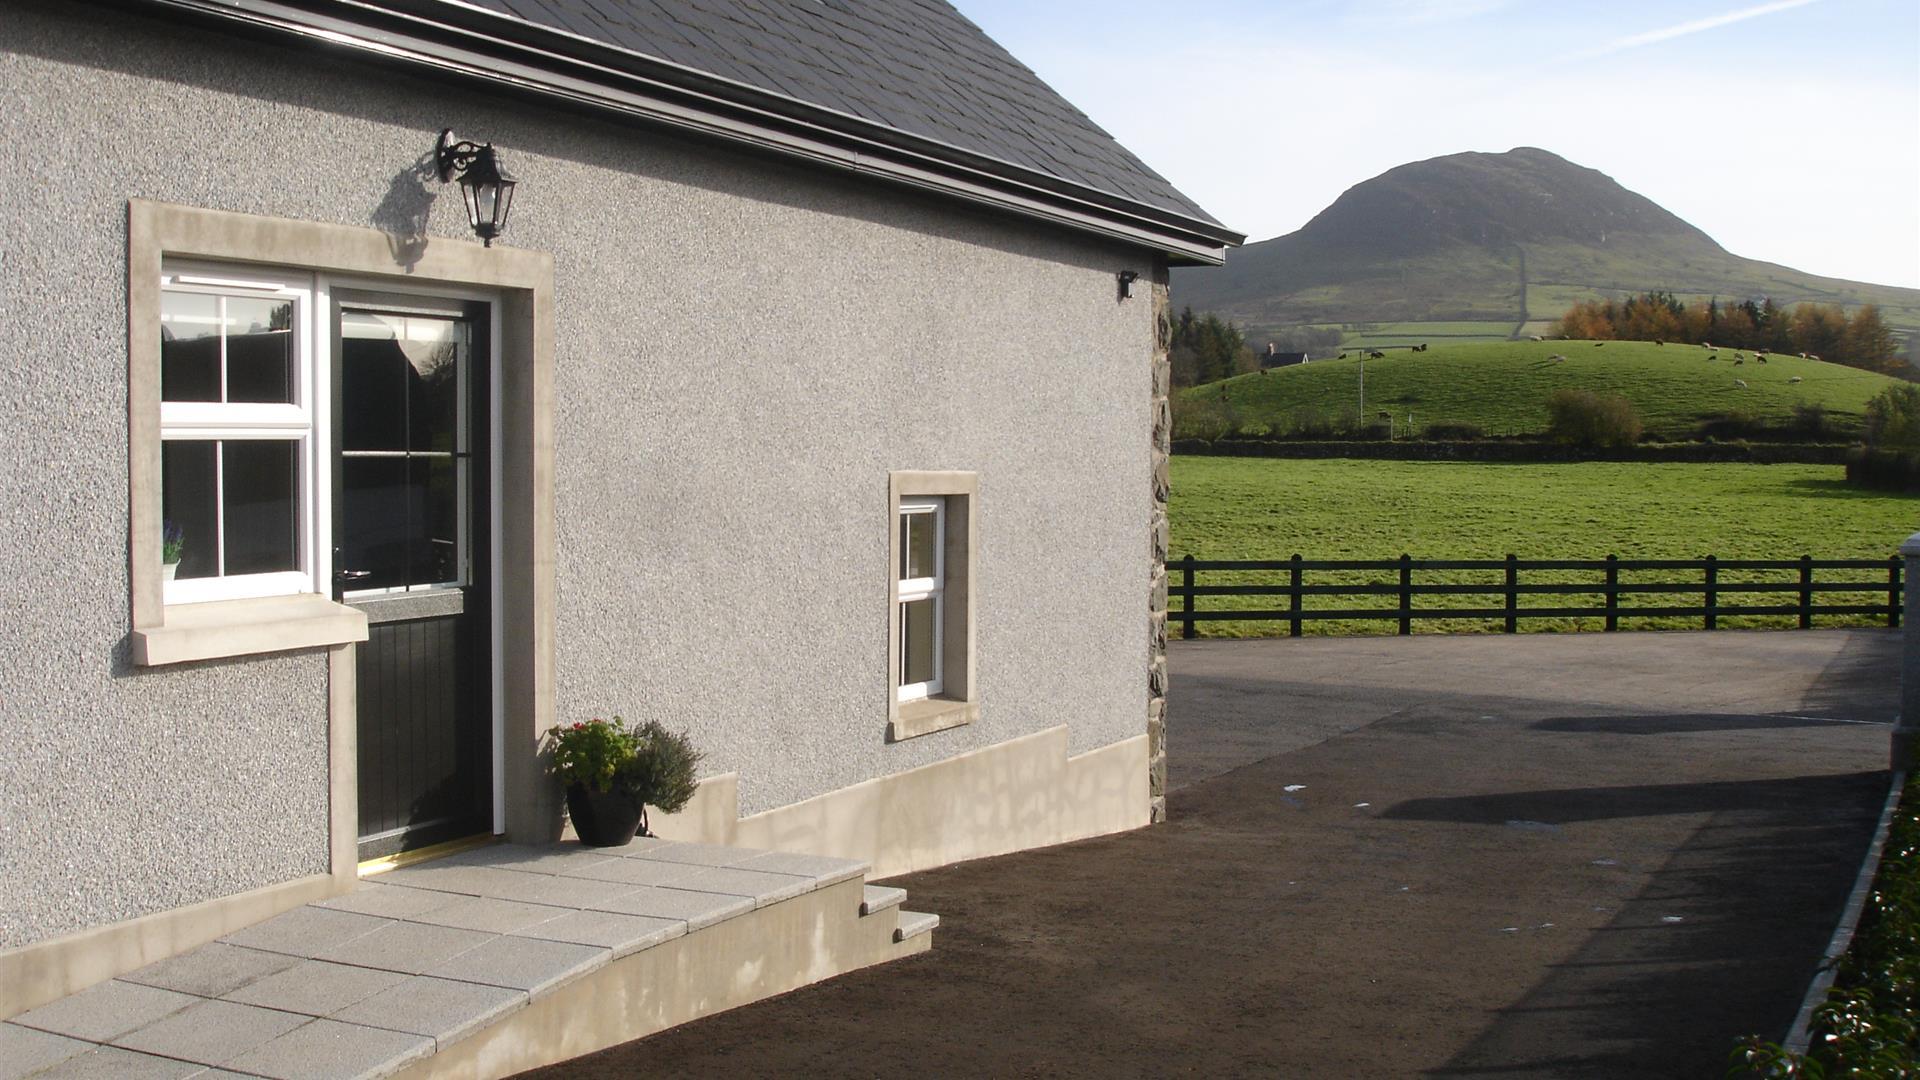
(604, 818)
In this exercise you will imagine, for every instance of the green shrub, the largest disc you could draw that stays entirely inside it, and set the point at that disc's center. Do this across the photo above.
(1584, 418)
(1308, 422)
(1887, 470)
(662, 771)
(1810, 421)
(1893, 418)
(1457, 430)
(1202, 418)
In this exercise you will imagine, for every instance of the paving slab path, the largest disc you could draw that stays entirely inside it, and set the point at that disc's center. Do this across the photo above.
(1555, 856)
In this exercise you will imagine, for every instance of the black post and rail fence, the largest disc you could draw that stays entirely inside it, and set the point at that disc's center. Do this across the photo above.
(1707, 589)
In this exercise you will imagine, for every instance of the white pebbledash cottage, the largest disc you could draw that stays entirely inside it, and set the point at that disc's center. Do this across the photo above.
(807, 392)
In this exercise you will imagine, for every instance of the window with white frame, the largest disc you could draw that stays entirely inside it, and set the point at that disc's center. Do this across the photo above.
(237, 422)
(920, 606)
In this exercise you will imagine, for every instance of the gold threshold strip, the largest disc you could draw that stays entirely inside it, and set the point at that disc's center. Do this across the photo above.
(425, 854)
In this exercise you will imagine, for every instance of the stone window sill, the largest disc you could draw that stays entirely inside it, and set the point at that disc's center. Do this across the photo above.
(224, 628)
(917, 718)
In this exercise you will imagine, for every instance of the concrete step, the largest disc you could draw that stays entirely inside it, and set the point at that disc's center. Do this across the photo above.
(914, 923)
(880, 898)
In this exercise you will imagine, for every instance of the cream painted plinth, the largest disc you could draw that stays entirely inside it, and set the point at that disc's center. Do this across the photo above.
(778, 948)
(1023, 793)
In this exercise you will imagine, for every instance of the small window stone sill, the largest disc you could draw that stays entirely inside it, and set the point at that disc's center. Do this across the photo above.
(224, 628)
(917, 718)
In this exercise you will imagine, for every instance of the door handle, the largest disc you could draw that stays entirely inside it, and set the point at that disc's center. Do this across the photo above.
(352, 575)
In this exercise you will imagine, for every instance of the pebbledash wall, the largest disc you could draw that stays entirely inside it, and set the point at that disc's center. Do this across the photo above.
(744, 349)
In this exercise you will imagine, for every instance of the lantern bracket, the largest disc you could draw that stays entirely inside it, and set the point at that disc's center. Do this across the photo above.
(454, 156)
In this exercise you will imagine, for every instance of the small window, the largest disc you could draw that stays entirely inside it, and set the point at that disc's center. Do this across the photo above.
(920, 609)
(236, 429)
(930, 589)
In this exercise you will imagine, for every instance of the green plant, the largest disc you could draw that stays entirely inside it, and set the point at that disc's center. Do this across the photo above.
(1585, 418)
(593, 753)
(173, 543)
(1893, 418)
(662, 770)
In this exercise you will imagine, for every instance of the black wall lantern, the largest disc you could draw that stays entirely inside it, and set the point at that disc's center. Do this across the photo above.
(1127, 278)
(486, 187)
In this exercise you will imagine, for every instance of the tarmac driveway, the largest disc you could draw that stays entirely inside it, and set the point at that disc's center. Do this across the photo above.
(1582, 856)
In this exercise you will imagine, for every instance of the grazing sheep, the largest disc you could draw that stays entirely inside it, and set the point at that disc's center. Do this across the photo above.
(1597, 344)
(1535, 337)
(1795, 379)
(1657, 341)
(1741, 383)
(1739, 356)
(1376, 354)
(1737, 363)
(1707, 345)
(1813, 358)
(1762, 357)
(1803, 356)
(1422, 347)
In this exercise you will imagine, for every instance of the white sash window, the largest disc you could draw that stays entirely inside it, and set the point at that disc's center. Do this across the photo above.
(237, 406)
(920, 610)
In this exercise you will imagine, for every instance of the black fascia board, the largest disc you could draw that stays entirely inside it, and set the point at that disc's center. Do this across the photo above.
(461, 39)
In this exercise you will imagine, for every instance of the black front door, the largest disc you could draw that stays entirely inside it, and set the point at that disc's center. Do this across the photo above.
(410, 549)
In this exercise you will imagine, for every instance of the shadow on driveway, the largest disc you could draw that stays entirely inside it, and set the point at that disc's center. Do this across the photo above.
(1400, 858)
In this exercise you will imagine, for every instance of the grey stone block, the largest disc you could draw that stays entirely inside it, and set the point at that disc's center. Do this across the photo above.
(823, 869)
(212, 970)
(700, 854)
(637, 872)
(764, 888)
(113, 1063)
(107, 1011)
(522, 964)
(441, 1009)
(306, 931)
(537, 860)
(25, 1050)
(211, 1032)
(697, 909)
(880, 897)
(316, 988)
(486, 914)
(511, 885)
(405, 946)
(330, 1050)
(915, 923)
(623, 934)
(389, 901)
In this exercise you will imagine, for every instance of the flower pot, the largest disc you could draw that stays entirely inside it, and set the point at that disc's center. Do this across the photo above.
(168, 569)
(604, 818)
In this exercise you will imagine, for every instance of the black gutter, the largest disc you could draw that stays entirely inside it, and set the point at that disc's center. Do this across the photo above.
(473, 42)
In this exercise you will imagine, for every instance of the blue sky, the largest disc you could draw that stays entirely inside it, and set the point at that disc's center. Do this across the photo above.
(1788, 129)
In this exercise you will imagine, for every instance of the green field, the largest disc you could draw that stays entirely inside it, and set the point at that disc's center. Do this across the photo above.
(1503, 387)
(1258, 508)
(1380, 335)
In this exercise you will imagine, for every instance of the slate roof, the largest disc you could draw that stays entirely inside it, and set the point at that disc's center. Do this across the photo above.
(918, 66)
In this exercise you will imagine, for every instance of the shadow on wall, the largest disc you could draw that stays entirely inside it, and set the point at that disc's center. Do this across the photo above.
(405, 210)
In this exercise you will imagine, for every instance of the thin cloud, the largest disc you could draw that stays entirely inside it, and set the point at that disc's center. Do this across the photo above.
(1711, 22)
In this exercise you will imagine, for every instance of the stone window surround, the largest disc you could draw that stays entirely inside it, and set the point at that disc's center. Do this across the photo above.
(958, 702)
(163, 635)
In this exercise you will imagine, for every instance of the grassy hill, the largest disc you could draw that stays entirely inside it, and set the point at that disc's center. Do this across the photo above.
(1503, 386)
(1512, 238)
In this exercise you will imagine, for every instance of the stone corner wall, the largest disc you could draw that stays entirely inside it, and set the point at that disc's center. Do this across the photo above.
(1157, 570)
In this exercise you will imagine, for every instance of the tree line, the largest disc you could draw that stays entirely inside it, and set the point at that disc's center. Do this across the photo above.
(1859, 340)
(1206, 348)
